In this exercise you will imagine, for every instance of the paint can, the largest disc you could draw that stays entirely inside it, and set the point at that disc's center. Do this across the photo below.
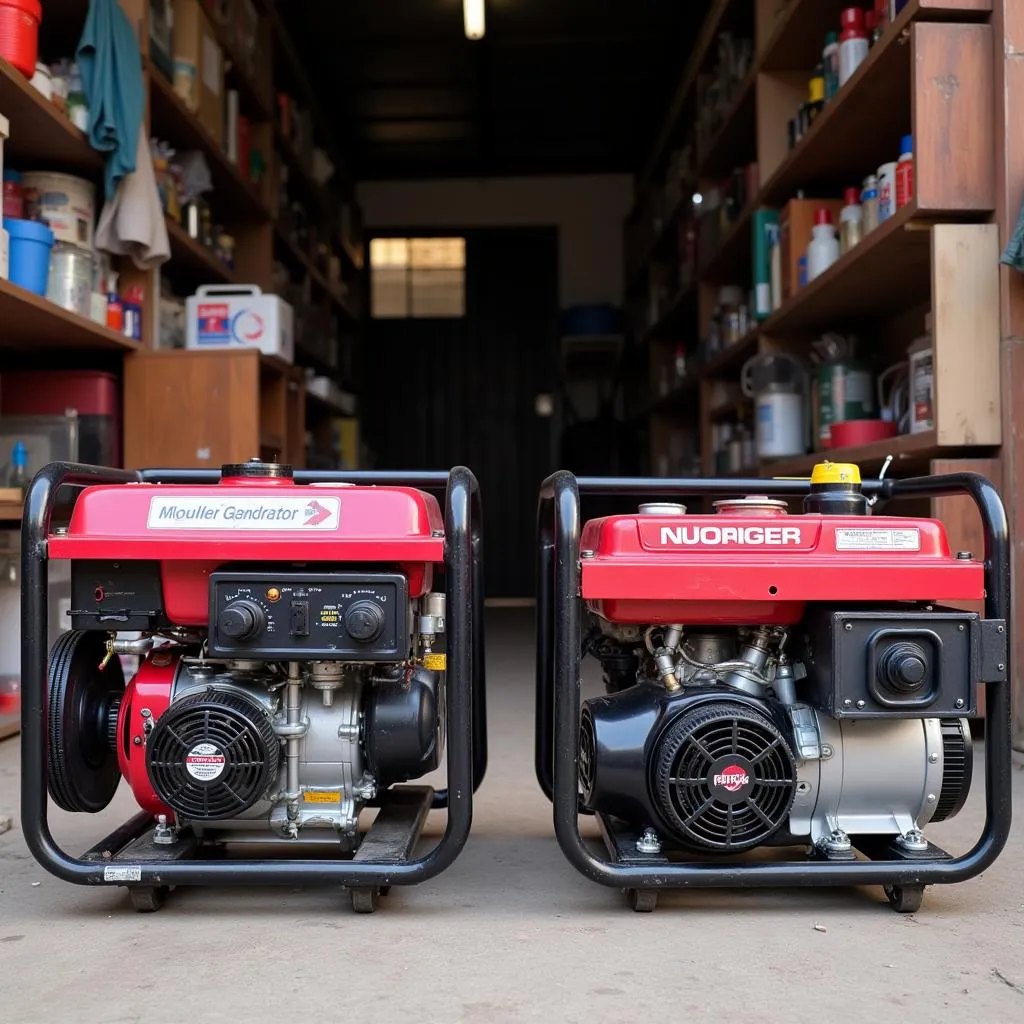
(70, 282)
(65, 203)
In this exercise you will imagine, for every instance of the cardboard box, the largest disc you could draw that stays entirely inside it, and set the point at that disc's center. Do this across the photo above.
(199, 67)
(240, 316)
(795, 223)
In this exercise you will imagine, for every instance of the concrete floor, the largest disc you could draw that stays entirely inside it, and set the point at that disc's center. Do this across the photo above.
(510, 933)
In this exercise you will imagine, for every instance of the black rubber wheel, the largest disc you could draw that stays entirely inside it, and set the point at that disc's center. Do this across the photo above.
(905, 899)
(643, 901)
(364, 900)
(82, 769)
(147, 899)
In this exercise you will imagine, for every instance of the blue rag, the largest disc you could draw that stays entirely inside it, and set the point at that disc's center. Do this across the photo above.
(111, 64)
(1014, 254)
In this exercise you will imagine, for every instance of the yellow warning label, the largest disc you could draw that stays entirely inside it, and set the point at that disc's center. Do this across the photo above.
(319, 796)
(435, 662)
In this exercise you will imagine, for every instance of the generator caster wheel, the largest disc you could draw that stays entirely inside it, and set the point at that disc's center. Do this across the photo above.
(147, 899)
(643, 901)
(905, 899)
(365, 899)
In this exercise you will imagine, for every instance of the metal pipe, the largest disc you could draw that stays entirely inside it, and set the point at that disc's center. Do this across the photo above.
(559, 527)
(460, 503)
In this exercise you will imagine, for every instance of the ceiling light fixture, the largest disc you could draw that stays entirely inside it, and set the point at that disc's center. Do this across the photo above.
(473, 18)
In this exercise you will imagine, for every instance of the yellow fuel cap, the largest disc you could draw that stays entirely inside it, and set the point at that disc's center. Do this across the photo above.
(835, 473)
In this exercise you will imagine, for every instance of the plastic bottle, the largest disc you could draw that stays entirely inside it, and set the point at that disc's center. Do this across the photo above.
(869, 204)
(815, 97)
(830, 64)
(905, 172)
(115, 311)
(851, 220)
(853, 43)
(824, 248)
(132, 306)
(17, 475)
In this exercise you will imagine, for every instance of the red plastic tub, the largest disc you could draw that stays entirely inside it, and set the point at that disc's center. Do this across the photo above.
(19, 33)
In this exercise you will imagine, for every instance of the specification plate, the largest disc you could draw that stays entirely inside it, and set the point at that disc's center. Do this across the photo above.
(858, 539)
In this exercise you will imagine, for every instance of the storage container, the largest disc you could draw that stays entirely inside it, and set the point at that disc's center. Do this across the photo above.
(240, 316)
(66, 203)
(19, 33)
(71, 276)
(29, 256)
(95, 397)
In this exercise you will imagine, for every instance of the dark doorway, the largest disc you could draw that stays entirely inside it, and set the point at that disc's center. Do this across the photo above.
(464, 390)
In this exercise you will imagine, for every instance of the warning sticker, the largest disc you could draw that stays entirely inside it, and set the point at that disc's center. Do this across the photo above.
(244, 513)
(122, 873)
(204, 762)
(858, 539)
(321, 796)
(435, 662)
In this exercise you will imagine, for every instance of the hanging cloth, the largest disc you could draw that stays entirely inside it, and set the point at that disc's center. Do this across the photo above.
(109, 58)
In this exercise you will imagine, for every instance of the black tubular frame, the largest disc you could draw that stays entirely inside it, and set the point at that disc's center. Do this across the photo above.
(465, 707)
(559, 618)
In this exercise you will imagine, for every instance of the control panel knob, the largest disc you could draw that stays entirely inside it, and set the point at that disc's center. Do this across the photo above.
(241, 620)
(364, 621)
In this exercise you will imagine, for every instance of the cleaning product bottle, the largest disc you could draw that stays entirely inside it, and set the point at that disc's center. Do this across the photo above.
(853, 43)
(815, 96)
(115, 311)
(17, 475)
(830, 64)
(132, 306)
(851, 220)
(824, 248)
(905, 172)
(869, 204)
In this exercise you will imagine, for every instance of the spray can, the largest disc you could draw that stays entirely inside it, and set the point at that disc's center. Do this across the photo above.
(869, 204)
(905, 172)
(920, 357)
(886, 191)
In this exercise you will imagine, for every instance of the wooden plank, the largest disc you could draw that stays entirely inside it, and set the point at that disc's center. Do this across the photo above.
(32, 322)
(953, 113)
(965, 312)
(191, 409)
(905, 449)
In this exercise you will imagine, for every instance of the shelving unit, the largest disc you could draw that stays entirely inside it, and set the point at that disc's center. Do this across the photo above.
(930, 74)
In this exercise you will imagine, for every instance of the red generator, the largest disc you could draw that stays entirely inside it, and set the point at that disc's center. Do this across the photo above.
(305, 641)
(771, 680)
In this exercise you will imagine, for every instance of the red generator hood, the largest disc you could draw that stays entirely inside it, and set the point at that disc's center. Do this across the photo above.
(743, 569)
(263, 519)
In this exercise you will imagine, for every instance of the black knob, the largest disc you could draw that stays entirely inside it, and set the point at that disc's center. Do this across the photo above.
(241, 620)
(904, 667)
(364, 621)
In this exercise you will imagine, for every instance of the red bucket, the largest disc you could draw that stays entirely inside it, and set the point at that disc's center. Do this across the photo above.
(19, 33)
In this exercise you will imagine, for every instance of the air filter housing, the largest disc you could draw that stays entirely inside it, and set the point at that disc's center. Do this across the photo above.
(212, 755)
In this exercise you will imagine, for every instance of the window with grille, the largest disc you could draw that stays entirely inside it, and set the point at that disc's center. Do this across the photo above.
(418, 277)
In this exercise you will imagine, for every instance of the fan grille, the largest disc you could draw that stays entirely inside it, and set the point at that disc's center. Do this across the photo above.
(586, 763)
(212, 755)
(957, 768)
(725, 777)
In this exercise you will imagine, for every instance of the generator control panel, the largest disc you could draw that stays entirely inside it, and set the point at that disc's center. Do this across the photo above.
(330, 616)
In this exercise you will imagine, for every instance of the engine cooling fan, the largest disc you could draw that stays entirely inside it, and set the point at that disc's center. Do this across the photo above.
(724, 777)
(212, 755)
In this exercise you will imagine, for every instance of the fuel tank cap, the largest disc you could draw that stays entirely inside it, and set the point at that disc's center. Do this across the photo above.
(256, 468)
(752, 505)
(662, 508)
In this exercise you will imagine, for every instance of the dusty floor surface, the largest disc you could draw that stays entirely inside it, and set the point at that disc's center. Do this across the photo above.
(510, 933)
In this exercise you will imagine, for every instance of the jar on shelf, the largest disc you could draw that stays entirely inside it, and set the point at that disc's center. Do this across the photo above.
(735, 314)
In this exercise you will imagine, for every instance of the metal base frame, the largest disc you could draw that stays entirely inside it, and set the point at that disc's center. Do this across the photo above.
(386, 860)
(559, 649)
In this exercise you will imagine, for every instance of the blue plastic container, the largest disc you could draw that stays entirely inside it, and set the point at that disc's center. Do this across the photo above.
(29, 254)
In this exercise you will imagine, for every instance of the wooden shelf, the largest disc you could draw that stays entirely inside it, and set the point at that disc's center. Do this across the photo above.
(234, 195)
(733, 356)
(320, 407)
(683, 396)
(730, 263)
(40, 133)
(304, 263)
(906, 450)
(679, 309)
(32, 322)
(11, 511)
(186, 251)
(734, 143)
(887, 272)
(656, 246)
